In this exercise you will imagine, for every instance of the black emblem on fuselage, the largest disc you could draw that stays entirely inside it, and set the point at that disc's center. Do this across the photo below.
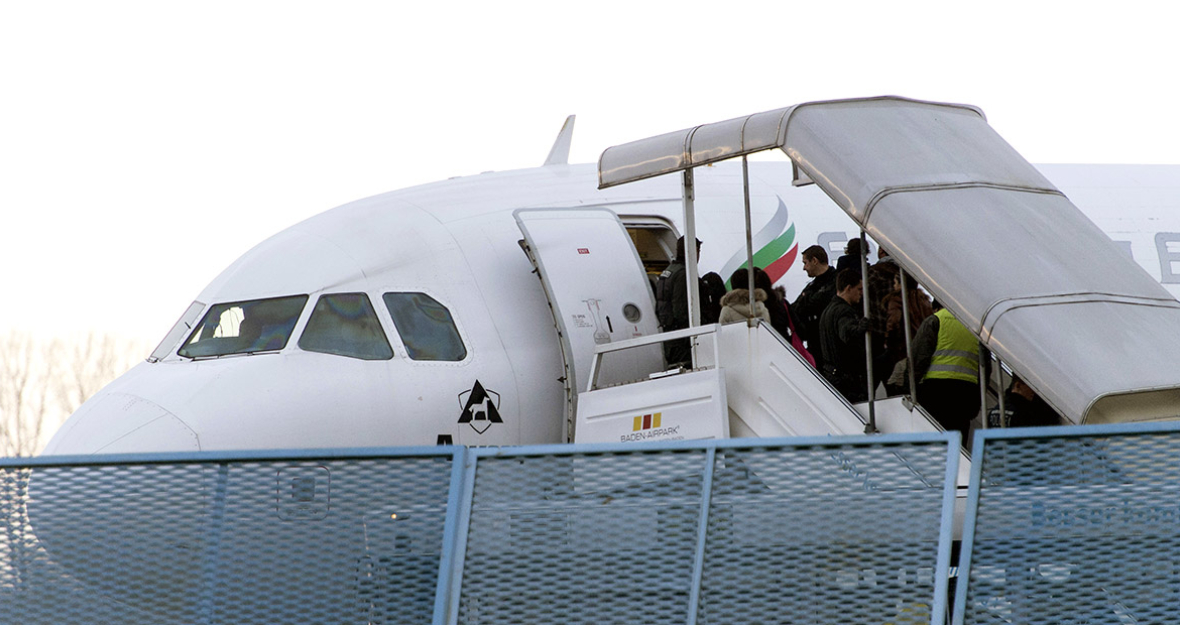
(481, 408)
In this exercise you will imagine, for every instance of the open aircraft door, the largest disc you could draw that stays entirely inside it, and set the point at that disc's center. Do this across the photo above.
(598, 293)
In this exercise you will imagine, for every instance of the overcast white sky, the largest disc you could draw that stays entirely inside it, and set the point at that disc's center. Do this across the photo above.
(146, 145)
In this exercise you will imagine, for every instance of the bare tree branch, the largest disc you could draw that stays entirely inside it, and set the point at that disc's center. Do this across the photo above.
(44, 381)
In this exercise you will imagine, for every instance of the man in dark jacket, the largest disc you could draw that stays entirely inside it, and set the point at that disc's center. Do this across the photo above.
(842, 337)
(815, 297)
(672, 306)
(1022, 408)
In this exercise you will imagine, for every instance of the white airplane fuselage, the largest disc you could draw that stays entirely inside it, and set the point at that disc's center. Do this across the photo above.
(457, 241)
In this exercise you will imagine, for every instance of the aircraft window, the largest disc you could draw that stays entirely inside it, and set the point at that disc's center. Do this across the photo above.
(259, 325)
(426, 327)
(346, 325)
(183, 325)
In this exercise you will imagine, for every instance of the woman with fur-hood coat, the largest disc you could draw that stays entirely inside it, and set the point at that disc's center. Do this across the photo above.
(735, 306)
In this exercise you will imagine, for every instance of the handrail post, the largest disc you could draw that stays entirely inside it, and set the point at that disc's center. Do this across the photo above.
(983, 382)
(909, 348)
(749, 239)
(871, 426)
(1003, 407)
(690, 253)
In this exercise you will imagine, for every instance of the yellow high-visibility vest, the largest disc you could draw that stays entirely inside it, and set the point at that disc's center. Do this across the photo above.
(956, 356)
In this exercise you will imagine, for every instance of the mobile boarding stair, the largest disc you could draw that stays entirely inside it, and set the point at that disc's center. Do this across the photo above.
(747, 383)
(958, 208)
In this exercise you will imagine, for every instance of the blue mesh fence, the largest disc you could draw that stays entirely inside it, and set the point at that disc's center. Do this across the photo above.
(847, 530)
(188, 540)
(1073, 525)
(808, 531)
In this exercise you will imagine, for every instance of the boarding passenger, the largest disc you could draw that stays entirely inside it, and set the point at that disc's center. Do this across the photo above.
(795, 338)
(735, 306)
(842, 337)
(894, 360)
(946, 360)
(672, 306)
(1022, 408)
(851, 257)
(882, 276)
(780, 317)
(712, 290)
(815, 297)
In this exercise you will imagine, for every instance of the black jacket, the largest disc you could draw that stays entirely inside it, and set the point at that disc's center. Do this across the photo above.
(1023, 413)
(810, 305)
(842, 337)
(672, 297)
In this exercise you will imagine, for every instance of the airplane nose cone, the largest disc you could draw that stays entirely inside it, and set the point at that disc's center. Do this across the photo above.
(119, 422)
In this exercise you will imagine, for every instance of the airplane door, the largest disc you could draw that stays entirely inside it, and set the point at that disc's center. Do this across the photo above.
(598, 292)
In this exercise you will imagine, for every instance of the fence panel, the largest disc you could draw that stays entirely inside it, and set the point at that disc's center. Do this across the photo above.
(1073, 525)
(787, 531)
(189, 539)
(831, 533)
(821, 530)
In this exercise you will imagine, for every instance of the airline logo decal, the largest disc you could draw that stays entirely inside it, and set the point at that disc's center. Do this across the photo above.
(481, 408)
(775, 245)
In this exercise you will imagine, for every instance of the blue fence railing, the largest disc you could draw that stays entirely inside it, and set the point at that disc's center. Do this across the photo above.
(1062, 525)
(802, 531)
(1073, 525)
(323, 537)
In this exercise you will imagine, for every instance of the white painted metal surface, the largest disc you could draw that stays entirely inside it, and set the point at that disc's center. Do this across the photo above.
(597, 288)
(685, 406)
(774, 392)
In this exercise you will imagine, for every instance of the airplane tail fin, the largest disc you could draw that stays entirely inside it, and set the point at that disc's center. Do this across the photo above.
(559, 154)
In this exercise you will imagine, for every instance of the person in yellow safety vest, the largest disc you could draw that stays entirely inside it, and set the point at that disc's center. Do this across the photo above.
(946, 360)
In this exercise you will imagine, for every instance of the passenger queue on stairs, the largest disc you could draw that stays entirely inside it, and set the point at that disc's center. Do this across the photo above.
(827, 326)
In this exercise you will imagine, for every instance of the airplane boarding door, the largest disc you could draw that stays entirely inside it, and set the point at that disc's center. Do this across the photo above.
(598, 292)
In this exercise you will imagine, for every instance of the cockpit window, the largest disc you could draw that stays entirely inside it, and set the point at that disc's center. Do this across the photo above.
(425, 326)
(346, 325)
(259, 325)
(183, 325)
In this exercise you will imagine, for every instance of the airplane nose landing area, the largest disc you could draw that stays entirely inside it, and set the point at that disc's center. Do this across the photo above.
(116, 422)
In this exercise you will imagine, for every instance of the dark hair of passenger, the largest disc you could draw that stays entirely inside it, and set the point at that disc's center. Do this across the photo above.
(847, 278)
(740, 279)
(714, 283)
(762, 281)
(712, 290)
(853, 247)
(816, 252)
(680, 253)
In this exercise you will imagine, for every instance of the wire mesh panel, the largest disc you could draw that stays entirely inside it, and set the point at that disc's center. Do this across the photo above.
(595, 538)
(802, 532)
(1074, 525)
(810, 531)
(303, 540)
(826, 534)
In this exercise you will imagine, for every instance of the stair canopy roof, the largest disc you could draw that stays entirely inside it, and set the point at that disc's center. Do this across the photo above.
(983, 231)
